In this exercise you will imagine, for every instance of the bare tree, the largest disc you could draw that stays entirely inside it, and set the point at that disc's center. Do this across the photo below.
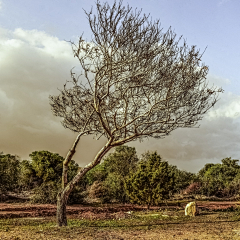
(136, 82)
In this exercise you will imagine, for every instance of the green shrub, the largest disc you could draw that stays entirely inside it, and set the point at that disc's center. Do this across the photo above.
(151, 183)
(99, 191)
(9, 172)
(46, 193)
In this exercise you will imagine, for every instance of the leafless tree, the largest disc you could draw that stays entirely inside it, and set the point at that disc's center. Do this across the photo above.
(136, 82)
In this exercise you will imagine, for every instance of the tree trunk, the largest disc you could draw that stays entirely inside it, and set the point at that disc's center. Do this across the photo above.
(63, 195)
(62, 208)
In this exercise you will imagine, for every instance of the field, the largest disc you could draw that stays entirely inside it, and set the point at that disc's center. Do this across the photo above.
(217, 220)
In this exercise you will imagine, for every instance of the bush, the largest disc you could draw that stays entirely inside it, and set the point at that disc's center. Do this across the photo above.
(9, 172)
(182, 179)
(46, 193)
(151, 183)
(98, 191)
(77, 195)
(107, 179)
(118, 165)
(220, 180)
(193, 188)
(45, 171)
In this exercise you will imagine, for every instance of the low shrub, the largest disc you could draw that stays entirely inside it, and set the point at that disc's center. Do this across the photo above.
(46, 193)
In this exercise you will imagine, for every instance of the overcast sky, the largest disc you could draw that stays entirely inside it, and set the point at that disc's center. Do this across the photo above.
(35, 60)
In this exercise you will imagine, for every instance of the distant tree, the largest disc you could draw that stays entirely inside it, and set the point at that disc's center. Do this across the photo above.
(45, 168)
(205, 169)
(28, 179)
(47, 165)
(151, 183)
(182, 179)
(97, 174)
(118, 166)
(139, 83)
(110, 175)
(9, 172)
(218, 177)
(231, 163)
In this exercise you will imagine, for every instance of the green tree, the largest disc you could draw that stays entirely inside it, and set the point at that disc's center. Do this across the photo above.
(9, 172)
(97, 174)
(182, 178)
(47, 165)
(205, 169)
(46, 168)
(151, 183)
(217, 178)
(118, 165)
(111, 174)
(28, 179)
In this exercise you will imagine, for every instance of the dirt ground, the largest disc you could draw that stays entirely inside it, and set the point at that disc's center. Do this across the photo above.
(210, 224)
(20, 210)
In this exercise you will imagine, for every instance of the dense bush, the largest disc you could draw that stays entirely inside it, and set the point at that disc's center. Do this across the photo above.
(151, 182)
(46, 193)
(45, 170)
(97, 173)
(182, 179)
(28, 179)
(108, 178)
(9, 172)
(221, 180)
(118, 165)
(193, 188)
(98, 191)
(121, 177)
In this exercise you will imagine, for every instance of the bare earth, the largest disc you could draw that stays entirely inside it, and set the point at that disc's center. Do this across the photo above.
(208, 225)
(10, 210)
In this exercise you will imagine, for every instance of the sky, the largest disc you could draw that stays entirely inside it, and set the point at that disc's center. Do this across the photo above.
(36, 59)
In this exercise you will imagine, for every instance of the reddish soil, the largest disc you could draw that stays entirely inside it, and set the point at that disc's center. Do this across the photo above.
(10, 210)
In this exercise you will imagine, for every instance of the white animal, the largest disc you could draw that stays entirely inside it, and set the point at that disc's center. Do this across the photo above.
(191, 209)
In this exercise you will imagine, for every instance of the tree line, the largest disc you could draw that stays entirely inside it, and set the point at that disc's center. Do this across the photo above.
(121, 177)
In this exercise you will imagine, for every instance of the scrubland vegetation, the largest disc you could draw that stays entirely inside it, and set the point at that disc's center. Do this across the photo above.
(122, 177)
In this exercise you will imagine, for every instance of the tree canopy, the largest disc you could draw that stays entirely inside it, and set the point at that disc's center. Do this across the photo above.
(139, 82)
(9, 172)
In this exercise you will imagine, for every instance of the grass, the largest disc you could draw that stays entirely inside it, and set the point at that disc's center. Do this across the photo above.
(137, 224)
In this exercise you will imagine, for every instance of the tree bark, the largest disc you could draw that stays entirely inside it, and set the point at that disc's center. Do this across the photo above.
(68, 159)
(61, 209)
(62, 197)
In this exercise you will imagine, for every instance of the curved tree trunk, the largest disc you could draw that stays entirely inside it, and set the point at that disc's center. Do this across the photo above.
(63, 195)
(62, 208)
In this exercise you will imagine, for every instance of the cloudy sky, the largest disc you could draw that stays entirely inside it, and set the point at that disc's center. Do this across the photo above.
(35, 60)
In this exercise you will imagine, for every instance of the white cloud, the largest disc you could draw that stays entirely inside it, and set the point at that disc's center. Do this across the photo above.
(6, 103)
(44, 43)
(0, 4)
(228, 106)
